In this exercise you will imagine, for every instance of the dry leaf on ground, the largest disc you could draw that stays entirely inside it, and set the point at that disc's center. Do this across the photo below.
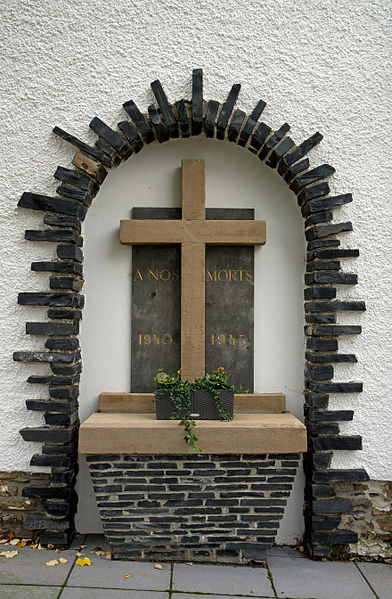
(127, 575)
(62, 560)
(83, 562)
(52, 562)
(78, 554)
(11, 534)
(4, 541)
(83, 546)
(14, 541)
(50, 546)
(8, 554)
(158, 566)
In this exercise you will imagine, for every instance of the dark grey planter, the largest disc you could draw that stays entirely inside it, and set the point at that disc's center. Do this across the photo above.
(203, 406)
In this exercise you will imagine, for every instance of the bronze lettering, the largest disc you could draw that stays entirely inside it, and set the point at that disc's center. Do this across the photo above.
(219, 275)
(152, 274)
(164, 275)
(138, 276)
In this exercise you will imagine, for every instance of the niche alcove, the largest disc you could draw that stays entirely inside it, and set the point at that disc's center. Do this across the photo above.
(63, 217)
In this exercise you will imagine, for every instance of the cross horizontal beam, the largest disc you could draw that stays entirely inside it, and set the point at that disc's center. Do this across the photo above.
(209, 232)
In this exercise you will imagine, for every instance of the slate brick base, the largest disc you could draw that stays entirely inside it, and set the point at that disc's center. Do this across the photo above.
(207, 509)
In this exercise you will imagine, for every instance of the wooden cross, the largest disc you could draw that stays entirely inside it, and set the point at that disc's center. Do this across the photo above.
(193, 232)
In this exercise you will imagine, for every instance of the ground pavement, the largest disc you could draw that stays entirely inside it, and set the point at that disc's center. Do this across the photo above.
(289, 574)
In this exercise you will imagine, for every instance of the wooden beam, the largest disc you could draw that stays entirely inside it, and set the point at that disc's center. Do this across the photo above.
(210, 232)
(193, 189)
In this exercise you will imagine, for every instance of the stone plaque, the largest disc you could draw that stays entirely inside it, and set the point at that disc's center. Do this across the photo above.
(156, 305)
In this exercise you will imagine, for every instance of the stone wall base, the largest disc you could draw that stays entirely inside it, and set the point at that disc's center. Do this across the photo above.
(213, 508)
(371, 518)
(13, 507)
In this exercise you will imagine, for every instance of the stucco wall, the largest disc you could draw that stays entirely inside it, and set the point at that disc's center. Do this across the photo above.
(319, 65)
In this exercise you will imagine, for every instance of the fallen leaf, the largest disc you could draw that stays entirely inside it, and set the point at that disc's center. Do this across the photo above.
(11, 534)
(21, 544)
(14, 541)
(83, 562)
(158, 566)
(40, 548)
(143, 574)
(50, 546)
(3, 541)
(57, 550)
(34, 545)
(189, 563)
(52, 562)
(127, 575)
(62, 560)
(78, 554)
(83, 546)
(294, 558)
(26, 540)
(8, 554)
(99, 552)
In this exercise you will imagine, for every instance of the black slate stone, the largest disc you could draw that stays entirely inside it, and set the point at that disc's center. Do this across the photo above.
(132, 135)
(66, 370)
(315, 400)
(322, 243)
(323, 265)
(321, 460)
(183, 118)
(314, 191)
(66, 449)
(302, 149)
(226, 111)
(209, 123)
(326, 203)
(53, 461)
(94, 153)
(339, 537)
(337, 505)
(320, 292)
(53, 235)
(40, 522)
(68, 267)
(165, 108)
(109, 151)
(35, 201)
(54, 538)
(335, 388)
(331, 253)
(342, 442)
(69, 252)
(197, 101)
(320, 318)
(339, 305)
(44, 356)
(75, 178)
(343, 329)
(72, 283)
(57, 508)
(259, 136)
(52, 328)
(61, 420)
(47, 435)
(320, 217)
(325, 522)
(273, 140)
(62, 221)
(322, 428)
(289, 174)
(316, 551)
(65, 314)
(64, 392)
(46, 405)
(322, 344)
(113, 138)
(161, 130)
(331, 278)
(139, 121)
(61, 300)
(70, 343)
(278, 151)
(65, 478)
(315, 174)
(329, 358)
(323, 491)
(235, 125)
(52, 380)
(319, 373)
(74, 193)
(326, 230)
(354, 475)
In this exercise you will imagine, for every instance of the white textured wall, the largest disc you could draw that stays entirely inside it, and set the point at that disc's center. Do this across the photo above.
(319, 64)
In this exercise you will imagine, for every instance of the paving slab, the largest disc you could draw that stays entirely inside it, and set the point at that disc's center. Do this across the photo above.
(379, 576)
(208, 596)
(83, 593)
(284, 552)
(305, 578)
(15, 591)
(222, 579)
(29, 566)
(107, 574)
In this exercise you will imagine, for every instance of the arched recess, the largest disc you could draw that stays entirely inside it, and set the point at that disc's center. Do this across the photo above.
(63, 217)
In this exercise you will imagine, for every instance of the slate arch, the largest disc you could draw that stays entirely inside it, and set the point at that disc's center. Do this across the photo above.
(63, 216)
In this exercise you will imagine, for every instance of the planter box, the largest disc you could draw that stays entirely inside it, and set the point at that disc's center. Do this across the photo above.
(203, 406)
